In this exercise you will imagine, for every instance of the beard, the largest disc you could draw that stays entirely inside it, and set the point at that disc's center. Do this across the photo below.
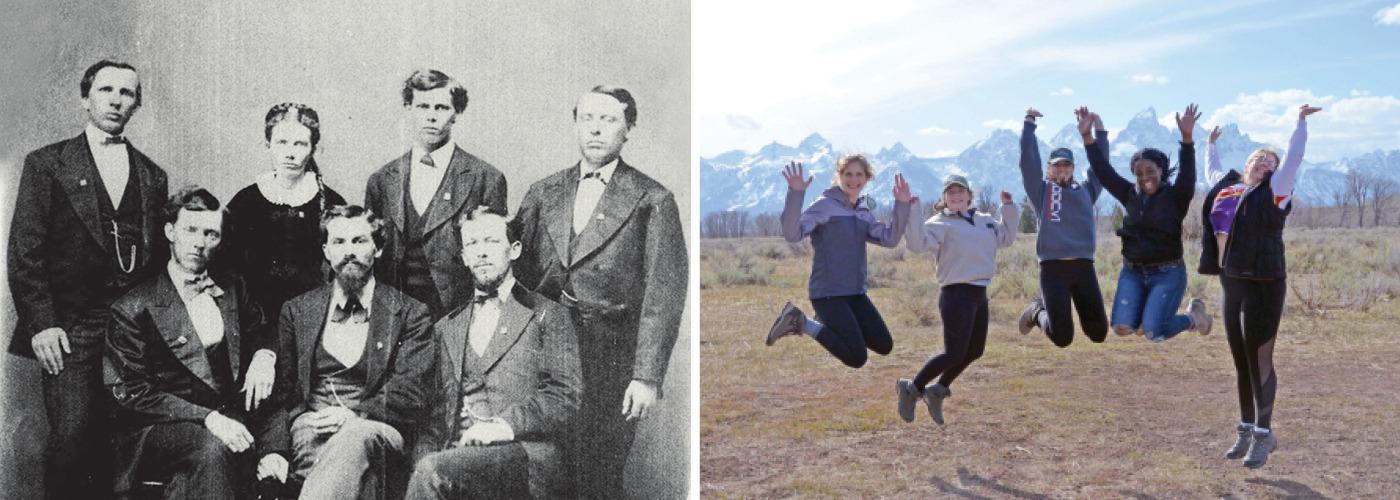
(489, 282)
(352, 274)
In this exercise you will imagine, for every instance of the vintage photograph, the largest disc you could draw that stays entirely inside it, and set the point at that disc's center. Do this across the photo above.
(338, 250)
(1020, 249)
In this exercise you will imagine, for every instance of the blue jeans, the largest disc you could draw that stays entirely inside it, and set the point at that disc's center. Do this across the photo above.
(1148, 299)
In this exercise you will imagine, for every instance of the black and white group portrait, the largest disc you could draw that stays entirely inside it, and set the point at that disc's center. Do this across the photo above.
(346, 251)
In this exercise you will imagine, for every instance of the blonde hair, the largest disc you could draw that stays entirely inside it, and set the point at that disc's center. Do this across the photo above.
(847, 160)
(1264, 151)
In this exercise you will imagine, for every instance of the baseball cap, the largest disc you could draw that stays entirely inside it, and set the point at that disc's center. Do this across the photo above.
(1061, 154)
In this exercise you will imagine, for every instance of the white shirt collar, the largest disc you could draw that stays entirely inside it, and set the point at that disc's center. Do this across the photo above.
(300, 194)
(366, 296)
(179, 276)
(442, 156)
(606, 171)
(95, 136)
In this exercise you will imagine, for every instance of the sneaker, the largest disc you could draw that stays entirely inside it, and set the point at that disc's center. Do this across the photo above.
(1029, 315)
(1264, 443)
(933, 397)
(789, 322)
(1200, 317)
(908, 397)
(1241, 446)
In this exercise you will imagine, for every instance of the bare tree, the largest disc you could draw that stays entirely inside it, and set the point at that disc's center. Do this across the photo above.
(767, 224)
(987, 201)
(1338, 194)
(1381, 192)
(1357, 185)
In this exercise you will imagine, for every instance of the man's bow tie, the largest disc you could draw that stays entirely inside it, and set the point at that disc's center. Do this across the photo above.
(202, 284)
(482, 296)
(351, 310)
(595, 175)
(113, 139)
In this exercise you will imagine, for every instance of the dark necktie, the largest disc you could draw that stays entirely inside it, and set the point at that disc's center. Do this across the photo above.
(482, 296)
(595, 175)
(351, 310)
(427, 160)
(113, 139)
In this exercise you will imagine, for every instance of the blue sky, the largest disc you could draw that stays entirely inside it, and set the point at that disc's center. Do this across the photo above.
(941, 75)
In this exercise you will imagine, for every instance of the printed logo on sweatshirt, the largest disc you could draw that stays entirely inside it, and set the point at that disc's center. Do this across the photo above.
(1054, 202)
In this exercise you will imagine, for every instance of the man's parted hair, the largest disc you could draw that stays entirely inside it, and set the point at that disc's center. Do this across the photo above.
(85, 85)
(512, 227)
(629, 110)
(376, 223)
(192, 198)
(428, 79)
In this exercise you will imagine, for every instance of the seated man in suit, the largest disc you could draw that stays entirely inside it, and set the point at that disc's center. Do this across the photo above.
(510, 370)
(356, 364)
(176, 343)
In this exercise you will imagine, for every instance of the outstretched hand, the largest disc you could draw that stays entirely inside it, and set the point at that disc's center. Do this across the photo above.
(1086, 123)
(1214, 134)
(1305, 110)
(1187, 123)
(793, 174)
(901, 189)
(1032, 114)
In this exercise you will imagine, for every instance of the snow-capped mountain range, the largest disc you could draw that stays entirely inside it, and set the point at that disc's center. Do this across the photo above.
(739, 180)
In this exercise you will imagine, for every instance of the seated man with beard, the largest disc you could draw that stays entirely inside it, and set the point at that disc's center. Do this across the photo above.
(357, 359)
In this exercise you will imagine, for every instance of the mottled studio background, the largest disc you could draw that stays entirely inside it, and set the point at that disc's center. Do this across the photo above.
(209, 73)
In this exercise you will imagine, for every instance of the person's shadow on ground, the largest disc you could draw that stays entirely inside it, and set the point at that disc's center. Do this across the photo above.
(1293, 490)
(968, 480)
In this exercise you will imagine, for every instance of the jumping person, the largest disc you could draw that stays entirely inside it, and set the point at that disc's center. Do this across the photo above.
(1065, 242)
(1153, 280)
(965, 245)
(840, 224)
(1246, 213)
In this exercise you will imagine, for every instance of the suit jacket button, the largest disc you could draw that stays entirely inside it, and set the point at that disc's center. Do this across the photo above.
(378, 345)
(182, 340)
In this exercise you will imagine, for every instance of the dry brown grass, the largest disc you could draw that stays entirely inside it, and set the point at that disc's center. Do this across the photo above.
(1122, 419)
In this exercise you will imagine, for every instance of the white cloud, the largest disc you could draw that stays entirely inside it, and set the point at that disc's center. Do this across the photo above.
(1356, 93)
(1149, 79)
(944, 153)
(1064, 91)
(1346, 126)
(742, 122)
(932, 131)
(1006, 124)
(1389, 16)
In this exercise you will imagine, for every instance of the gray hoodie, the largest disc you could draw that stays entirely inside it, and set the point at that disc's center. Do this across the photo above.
(1066, 214)
(964, 243)
(839, 233)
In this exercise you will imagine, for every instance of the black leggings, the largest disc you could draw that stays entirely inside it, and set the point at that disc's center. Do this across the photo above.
(1251, 310)
(850, 324)
(1063, 281)
(964, 311)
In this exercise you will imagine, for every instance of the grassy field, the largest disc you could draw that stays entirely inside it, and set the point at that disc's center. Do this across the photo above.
(1122, 419)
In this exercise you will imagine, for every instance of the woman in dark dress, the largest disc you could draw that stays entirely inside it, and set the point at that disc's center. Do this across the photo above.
(274, 235)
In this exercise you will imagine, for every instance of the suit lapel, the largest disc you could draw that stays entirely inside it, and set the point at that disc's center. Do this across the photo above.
(559, 213)
(383, 333)
(514, 317)
(451, 193)
(174, 325)
(228, 310)
(454, 337)
(393, 185)
(75, 177)
(310, 323)
(619, 199)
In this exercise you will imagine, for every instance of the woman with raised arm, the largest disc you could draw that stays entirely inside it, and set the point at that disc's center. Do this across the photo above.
(964, 246)
(840, 224)
(1152, 282)
(274, 232)
(1243, 217)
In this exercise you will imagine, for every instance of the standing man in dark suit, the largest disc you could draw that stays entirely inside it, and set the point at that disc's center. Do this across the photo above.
(605, 240)
(510, 381)
(86, 228)
(356, 366)
(176, 344)
(420, 192)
